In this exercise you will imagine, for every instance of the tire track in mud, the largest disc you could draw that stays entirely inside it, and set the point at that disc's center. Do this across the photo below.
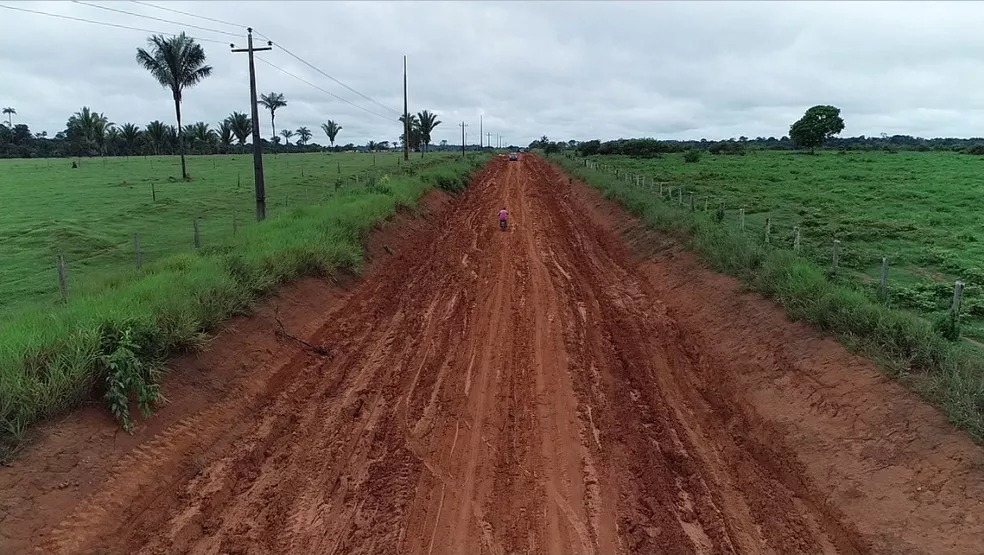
(488, 392)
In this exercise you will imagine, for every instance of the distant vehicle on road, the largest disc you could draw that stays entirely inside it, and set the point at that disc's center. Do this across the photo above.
(513, 156)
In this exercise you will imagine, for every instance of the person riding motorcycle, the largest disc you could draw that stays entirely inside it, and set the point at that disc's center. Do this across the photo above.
(503, 218)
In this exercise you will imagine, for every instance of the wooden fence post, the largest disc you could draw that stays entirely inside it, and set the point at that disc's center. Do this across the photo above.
(741, 219)
(693, 207)
(796, 240)
(836, 253)
(136, 250)
(768, 230)
(63, 277)
(958, 288)
(153, 192)
(883, 286)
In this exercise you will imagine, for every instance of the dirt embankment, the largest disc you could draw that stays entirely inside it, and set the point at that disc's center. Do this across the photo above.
(540, 390)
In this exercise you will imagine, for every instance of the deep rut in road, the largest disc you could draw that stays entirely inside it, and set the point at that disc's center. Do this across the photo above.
(541, 390)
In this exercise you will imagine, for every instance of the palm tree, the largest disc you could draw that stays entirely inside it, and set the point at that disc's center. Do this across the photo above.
(87, 129)
(271, 102)
(304, 135)
(331, 129)
(173, 139)
(371, 146)
(176, 62)
(225, 135)
(426, 123)
(112, 140)
(414, 141)
(130, 135)
(242, 126)
(8, 111)
(287, 134)
(156, 135)
(202, 136)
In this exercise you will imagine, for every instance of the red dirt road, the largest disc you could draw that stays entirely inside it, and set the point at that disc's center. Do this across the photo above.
(535, 391)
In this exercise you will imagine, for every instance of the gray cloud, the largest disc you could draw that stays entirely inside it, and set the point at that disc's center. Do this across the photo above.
(567, 70)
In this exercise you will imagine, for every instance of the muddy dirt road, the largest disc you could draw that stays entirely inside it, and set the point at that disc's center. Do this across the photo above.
(536, 391)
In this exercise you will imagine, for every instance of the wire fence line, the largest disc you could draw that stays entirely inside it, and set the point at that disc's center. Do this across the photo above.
(763, 230)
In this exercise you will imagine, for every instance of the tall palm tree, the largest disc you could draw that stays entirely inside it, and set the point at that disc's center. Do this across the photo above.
(202, 136)
(331, 129)
(156, 135)
(176, 62)
(271, 102)
(426, 123)
(112, 141)
(8, 111)
(173, 139)
(130, 136)
(371, 146)
(242, 126)
(225, 135)
(304, 135)
(287, 134)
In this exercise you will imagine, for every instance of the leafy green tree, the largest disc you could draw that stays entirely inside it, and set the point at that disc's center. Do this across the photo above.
(129, 137)
(272, 102)
(8, 111)
(156, 135)
(112, 141)
(241, 125)
(286, 134)
(331, 129)
(177, 62)
(303, 134)
(819, 124)
(426, 122)
(202, 136)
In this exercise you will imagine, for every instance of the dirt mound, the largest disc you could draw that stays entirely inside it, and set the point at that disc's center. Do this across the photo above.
(539, 390)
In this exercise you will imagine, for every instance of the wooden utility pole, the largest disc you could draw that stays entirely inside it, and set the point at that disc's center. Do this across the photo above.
(406, 115)
(257, 146)
(463, 126)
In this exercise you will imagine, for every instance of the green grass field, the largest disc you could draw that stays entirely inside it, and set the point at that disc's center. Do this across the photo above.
(90, 214)
(916, 209)
(920, 210)
(120, 324)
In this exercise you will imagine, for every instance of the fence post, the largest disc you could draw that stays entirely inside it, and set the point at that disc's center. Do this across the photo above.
(705, 204)
(63, 277)
(660, 190)
(339, 167)
(883, 287)
(958, 288)
(136, 249)
(768, 230)
(680, 196)
(741, 219)
(235, 224)
(239, 179)
(153, 192)
(198, 236)
(836, 253)
(692, 205)
(796, 240)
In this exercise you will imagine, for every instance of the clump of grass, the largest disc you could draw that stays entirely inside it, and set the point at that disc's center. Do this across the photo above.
(112, 342)
(948, 374)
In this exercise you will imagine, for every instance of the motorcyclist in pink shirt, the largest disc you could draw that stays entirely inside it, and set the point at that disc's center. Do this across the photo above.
(503, 219)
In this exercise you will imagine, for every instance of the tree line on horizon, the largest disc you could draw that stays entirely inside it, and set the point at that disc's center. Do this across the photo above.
(178, 63)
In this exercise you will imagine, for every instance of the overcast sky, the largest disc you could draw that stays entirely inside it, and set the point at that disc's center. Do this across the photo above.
(680, 70)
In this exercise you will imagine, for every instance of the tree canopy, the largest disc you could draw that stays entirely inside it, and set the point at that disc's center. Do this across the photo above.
(817, 125)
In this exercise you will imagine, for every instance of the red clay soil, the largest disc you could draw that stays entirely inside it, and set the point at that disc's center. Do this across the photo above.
(541, 390)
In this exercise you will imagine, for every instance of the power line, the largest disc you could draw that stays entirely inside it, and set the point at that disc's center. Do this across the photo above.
(117, 25)
(312, 66)
(156, 18)
(284, 71)
(148, 4)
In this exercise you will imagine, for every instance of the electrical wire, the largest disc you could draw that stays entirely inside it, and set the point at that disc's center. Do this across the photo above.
(312, 66)
(117, 25)
(148, 4)
(156, 18)
(329, 93)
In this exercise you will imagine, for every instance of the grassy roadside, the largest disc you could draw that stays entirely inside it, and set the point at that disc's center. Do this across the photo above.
(949, 375)
(112, 343)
